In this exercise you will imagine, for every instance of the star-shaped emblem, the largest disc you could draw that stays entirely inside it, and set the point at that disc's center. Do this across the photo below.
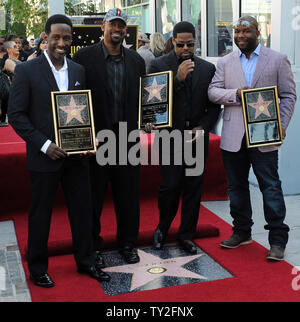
(154, 90)
(125, 44)
(152, 267)
(261, 106)
(73, 111)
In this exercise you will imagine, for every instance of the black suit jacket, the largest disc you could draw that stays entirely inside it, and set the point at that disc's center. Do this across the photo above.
(92, 58)
(203, 112)
(30, 107)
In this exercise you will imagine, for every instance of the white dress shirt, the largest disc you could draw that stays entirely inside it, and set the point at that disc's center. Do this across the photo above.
(62, 79)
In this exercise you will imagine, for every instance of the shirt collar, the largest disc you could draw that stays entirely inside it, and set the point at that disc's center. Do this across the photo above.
(65, 66)
(107, 54)
(256, 51)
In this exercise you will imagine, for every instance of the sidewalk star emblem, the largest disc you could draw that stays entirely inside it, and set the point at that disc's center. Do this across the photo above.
(154, 90)
(73, 111)
(261, 106)
(152, 267)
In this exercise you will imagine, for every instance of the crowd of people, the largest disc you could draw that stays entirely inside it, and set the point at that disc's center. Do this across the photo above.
(112, 73)
(14, 50)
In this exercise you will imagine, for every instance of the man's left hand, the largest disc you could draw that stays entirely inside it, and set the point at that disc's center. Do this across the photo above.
(196, 132)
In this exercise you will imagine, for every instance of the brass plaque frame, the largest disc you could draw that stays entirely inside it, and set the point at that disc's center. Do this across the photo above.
(74, 121)
(262, 117)
(156, 100)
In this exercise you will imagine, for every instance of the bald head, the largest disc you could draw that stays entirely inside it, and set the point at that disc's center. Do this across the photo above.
(247, 20)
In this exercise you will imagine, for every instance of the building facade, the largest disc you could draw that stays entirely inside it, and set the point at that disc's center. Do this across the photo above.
(280, 30)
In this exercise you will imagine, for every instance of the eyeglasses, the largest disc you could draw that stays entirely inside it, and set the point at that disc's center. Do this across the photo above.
(189, 45)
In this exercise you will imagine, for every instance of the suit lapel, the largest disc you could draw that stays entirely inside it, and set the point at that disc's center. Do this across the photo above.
(172, 62)
(47, 72)
(196, 74)
(71, 75)
(261, 64)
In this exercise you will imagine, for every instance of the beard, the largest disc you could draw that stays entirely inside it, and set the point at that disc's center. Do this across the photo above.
(251, 44)
(116, 40)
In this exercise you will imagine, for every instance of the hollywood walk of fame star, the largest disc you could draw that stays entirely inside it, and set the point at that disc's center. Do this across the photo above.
(261, 106)
(152, 267)
(154, 90)
(73, 111)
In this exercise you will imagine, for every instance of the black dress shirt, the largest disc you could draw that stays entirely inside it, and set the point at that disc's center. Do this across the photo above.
(115, 66)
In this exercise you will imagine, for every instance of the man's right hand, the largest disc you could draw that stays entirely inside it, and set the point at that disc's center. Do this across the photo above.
(149, 127)
(186, 67)
(55, 153)
(239, 92)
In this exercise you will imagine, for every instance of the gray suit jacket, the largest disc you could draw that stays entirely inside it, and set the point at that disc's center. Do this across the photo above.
(273, 69)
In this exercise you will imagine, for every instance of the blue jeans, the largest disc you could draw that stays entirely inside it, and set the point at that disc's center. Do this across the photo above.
(265, 167)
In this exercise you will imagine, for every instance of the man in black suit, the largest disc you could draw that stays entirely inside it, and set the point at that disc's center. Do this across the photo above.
(112, 74)
(30, 114)
(192, 111)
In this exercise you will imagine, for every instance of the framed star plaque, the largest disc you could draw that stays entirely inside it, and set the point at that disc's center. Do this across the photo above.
(262, 117)
(156, 100)
(74, 121)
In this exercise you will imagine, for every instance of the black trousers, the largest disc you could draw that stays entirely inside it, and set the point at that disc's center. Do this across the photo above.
(3, 106)
(175, 183)
(124, 182)
(74, 177)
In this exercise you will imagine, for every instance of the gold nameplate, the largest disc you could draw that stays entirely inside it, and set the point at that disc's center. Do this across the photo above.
(74, 121)
(262, 117)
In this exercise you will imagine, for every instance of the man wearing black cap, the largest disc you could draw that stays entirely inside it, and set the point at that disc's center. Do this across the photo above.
(192, 111)
(112, 74)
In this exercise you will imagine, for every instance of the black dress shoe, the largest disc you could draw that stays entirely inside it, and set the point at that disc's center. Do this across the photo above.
(43, 280)
(94, 272)
(99, 260)
(188, 246)
(158, 239)
(130, 255)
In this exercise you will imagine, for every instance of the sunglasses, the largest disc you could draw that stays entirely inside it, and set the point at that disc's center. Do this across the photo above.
(244, 23)
(189, 45)
(241, 23)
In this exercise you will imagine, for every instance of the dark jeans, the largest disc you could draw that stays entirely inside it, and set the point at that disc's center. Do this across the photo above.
(265, 167)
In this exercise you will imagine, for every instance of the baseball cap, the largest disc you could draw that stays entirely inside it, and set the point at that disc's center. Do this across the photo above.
(143, 37)
(115, 13)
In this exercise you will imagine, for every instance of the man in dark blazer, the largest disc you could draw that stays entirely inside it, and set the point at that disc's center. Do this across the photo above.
(112, 74)
(30, 114)
(192, 111)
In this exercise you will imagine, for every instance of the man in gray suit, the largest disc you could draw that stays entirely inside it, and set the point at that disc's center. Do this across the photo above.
(252, 66)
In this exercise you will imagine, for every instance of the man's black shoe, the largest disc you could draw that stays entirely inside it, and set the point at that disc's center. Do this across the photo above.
(130, 255)
(94, 272)
(43, 280)
(189, 246)
(158, 239)
(99, 260)
(235, 241)
(276, 253)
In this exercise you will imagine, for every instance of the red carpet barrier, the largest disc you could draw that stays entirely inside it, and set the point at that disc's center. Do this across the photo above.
(14, 185)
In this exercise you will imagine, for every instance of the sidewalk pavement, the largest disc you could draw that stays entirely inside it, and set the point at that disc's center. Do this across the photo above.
(13, 286)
